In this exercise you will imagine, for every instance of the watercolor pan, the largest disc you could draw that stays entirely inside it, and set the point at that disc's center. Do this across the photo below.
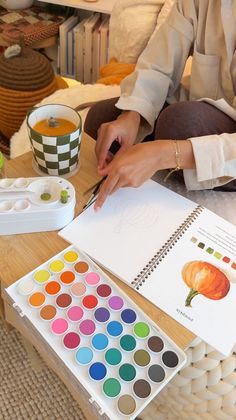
(111, 347)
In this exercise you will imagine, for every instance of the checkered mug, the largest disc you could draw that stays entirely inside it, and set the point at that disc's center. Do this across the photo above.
(55, 155)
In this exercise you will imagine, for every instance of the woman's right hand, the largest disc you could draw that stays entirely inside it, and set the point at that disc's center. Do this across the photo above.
(124, 130)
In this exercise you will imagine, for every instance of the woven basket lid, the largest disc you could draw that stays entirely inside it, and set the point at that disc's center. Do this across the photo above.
(27, 71)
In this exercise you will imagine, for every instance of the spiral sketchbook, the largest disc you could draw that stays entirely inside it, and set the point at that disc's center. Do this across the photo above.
(177, 254)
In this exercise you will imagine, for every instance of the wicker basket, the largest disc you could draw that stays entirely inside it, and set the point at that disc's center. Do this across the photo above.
(24, 81)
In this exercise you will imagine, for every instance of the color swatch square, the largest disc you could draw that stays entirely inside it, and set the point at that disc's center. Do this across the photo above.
(210, 250)
(226, 259)
(193, 239)
(201, 245)
(218, 255)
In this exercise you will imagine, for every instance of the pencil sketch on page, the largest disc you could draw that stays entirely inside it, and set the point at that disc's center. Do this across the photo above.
(130, 215)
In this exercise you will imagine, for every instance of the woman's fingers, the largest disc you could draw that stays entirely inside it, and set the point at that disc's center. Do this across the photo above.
(119, 184)
(105, 190)
(123, 130)
(106, 136)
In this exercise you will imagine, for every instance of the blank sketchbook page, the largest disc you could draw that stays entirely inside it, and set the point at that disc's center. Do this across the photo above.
(130, 228)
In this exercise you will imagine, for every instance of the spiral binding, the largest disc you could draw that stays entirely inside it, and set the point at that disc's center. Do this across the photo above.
(163, 251)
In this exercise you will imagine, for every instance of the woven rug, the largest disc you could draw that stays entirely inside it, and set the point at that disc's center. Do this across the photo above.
(29, 394)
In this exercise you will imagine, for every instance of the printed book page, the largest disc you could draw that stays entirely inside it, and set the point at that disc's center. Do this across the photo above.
(130, 228)
(195, 282)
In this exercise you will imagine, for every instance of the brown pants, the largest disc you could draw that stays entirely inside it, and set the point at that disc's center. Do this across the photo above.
(179, 121)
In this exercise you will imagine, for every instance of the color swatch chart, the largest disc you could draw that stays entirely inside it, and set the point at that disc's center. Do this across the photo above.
(112, 348)
(214, 252)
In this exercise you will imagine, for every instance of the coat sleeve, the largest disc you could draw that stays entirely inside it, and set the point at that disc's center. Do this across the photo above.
(157, 78)
(158, 71)
(215, 158)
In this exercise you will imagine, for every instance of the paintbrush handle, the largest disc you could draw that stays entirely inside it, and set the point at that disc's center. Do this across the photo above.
(88, 204)
(95, 186)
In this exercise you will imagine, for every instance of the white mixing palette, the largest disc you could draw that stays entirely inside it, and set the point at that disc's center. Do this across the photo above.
(34, 204)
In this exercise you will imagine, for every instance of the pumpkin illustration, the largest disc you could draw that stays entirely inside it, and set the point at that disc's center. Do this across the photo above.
(205, 279)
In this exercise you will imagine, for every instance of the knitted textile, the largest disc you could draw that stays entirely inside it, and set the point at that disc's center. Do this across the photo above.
(15, 104)
(205, 389)
(24, 81)
(28, 71)
(4, 145)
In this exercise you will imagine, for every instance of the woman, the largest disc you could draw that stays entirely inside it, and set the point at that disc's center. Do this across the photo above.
(194, 127)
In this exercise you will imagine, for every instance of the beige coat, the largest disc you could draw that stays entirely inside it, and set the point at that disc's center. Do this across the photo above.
(205, 29)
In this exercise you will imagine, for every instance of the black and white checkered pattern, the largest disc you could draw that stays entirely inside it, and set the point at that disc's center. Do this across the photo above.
(56, 155)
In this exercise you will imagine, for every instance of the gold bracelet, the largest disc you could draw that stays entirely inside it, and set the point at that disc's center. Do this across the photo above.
(177, 159)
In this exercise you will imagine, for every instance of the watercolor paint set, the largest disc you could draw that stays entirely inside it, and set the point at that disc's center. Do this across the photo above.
(35, 204)
(115, 351)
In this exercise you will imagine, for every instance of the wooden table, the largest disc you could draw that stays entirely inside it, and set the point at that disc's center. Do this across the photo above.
(22, 253)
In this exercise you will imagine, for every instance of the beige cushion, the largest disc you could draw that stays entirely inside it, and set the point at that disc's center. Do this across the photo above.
(132, 23)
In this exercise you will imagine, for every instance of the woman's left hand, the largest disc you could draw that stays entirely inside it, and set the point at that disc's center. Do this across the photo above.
(131, 168)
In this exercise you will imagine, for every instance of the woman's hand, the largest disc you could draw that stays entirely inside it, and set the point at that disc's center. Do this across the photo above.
(129, 169)
(139, 163)
(124, 130)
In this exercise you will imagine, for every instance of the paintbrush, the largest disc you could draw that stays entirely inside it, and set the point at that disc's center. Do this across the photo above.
(95, 188)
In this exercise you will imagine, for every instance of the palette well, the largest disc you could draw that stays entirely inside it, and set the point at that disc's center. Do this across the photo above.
(111, 347)
(35, 204)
